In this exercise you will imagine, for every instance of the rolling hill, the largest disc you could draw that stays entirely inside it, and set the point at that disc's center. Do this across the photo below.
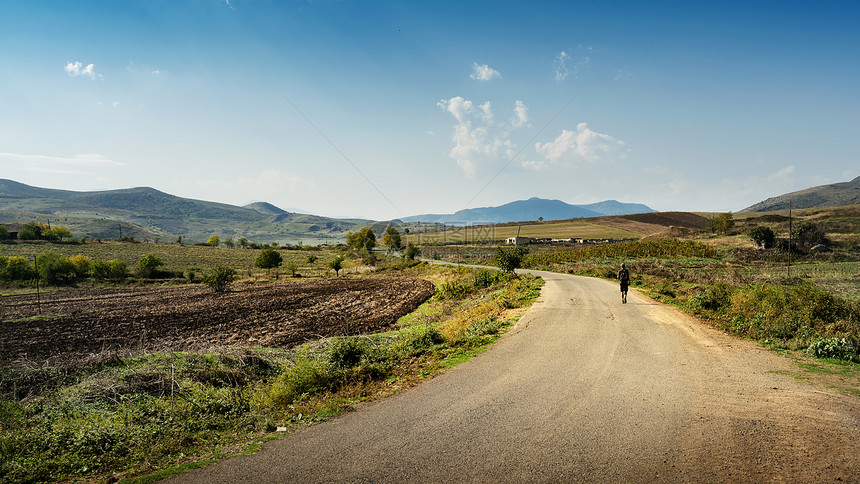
(833, 195)
(146, 213)
(531, 209)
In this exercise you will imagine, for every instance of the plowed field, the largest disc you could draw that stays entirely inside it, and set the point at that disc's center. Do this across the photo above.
(77, 323)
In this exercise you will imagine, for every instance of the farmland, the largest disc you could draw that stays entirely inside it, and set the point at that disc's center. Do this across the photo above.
(71, 324)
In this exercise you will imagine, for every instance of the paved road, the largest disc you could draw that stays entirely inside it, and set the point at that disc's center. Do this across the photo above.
(584, 389)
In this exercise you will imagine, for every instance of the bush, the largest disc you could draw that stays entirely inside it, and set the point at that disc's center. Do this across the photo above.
(412, 251)
(510, 259)
(808, 234)
(488, 278)
(453, 290)
(487, 326)
(54, 268)
(148, 265)
(763, 236)
(715, 298)
(219, 278)
(837, 348)
(268, 259)
(16, 268)
(81, 265)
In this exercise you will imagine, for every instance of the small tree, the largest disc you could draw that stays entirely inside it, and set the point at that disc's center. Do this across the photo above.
(243, 242)
(229, 242)
(363, 239)
(291, 267)
(214, 240)
(763, 236)
(268, 259)
(391, 238)
(722, 223)
(53, 267)
(808, 234)
(30, 231)
(4, 233)
(510, 259)
(147, 266)
(412, 251)
(219, 278)
(336, 265)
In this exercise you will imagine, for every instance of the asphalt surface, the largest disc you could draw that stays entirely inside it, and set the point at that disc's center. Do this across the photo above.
(584, 389)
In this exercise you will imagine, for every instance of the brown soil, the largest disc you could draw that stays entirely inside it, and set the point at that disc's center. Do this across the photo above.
(79, 323)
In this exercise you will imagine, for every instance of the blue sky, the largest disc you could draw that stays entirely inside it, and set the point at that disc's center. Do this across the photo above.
(388, 109)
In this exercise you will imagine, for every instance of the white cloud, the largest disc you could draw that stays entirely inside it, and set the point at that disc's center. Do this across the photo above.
(76, 160)
(781, 176)
(115, 104)
(478, 140)
(581, 146)
(484, 73)
(521, 115)
(75, 69)
(561, 70)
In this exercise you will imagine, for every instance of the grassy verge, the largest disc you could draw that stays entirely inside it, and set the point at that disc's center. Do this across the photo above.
(158, 414)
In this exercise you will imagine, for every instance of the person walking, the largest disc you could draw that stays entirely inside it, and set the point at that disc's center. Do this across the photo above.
(624, 279)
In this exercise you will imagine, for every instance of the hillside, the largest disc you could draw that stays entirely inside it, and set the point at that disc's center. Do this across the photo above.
(528, 210)
(146, 213)
(833, 195)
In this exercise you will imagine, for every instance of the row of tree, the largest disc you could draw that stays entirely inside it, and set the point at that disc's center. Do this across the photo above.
(37, 231)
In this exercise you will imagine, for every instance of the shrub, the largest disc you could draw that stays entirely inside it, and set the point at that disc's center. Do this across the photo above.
(412, 251)
(347, 352)
(838, 348)
(336, 264)
(510, 259)
(312, 258)
(219, 278)
(268, 259)
(808, 234)
(488, 278)
(80, 265)
(148, 265)
(16, 268)
(487, 326)
(453, 290)
(714, 298)
(53, 267)
(763, 236)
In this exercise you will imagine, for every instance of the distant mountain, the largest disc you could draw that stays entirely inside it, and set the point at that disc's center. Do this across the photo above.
(531, 209)
(833, 195)
(265, 208)
(148, 213)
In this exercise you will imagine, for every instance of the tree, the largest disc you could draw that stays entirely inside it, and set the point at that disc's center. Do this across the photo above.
(510, 259)
(219, 278)
(722, 223)
(16, 268)
(336, 265)
(540, 219)
(30, 231)
(763, 236)
(214, 240)
(268, 259)
(363, 239)
(243, 242)
(391, 238)
(229, 242)
(53, 267)
(808, 234)
(147, 266)
(55, 233)
(412, 251)
(4, 233)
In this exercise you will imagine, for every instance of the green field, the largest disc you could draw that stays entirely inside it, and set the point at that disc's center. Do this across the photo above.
(496, 233)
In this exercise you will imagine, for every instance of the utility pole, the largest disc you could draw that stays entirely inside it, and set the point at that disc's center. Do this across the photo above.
(789, 239)
(38, 295)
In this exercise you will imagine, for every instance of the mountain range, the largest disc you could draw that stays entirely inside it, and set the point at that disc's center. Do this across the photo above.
(531, 209)
(832, 195)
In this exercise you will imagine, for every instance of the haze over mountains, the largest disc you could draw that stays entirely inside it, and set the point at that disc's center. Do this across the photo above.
(146, 213)
(531, 209)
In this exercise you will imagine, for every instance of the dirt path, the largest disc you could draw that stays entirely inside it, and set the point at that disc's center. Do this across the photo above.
(584, 389)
